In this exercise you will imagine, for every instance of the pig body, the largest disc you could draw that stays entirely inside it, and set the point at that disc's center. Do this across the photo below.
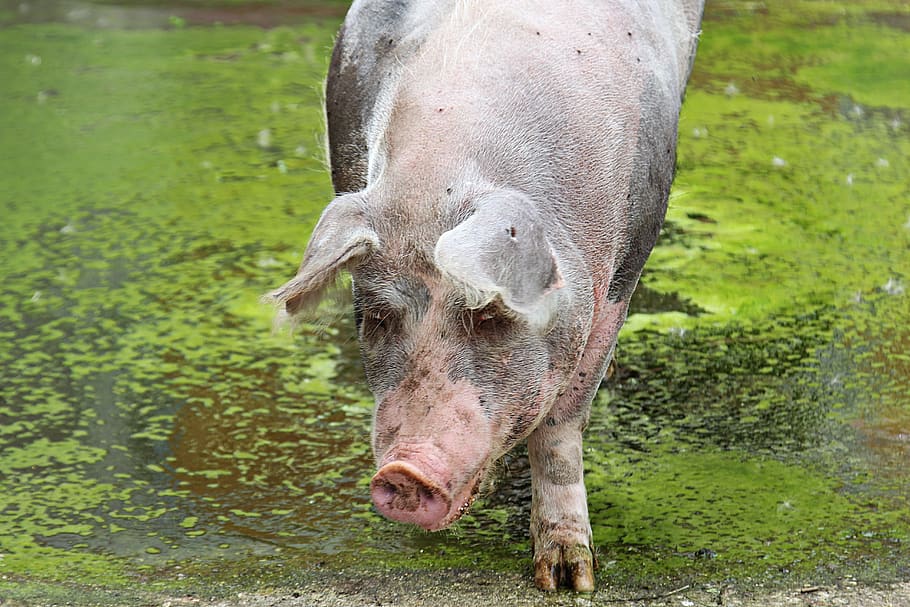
(502, 169)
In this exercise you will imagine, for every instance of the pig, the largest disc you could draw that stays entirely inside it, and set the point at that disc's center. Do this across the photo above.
(502, 169)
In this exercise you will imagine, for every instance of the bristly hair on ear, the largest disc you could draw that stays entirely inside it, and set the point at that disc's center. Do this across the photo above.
(316, 314)
(341, 240)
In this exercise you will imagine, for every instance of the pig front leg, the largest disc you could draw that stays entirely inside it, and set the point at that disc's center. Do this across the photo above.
(560, 529)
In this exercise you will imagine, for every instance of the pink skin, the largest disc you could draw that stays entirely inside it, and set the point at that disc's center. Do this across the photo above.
(433, 445)
(432, 437)
(415, 482)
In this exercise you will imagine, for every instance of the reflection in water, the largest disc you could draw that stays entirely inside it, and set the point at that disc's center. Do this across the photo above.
(884, 422)
(279, 469)
(147, 15)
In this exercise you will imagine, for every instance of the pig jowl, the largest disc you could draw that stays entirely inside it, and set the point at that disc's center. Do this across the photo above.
(502, 170)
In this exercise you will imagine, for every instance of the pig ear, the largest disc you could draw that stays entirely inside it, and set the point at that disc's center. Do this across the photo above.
(340, 240)
(502, 249)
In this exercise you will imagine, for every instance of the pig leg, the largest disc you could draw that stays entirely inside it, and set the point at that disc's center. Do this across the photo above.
(560, 530)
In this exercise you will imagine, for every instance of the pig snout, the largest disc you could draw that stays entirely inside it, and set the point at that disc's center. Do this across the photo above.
(403, 493)
(432, 442)
(414, 486)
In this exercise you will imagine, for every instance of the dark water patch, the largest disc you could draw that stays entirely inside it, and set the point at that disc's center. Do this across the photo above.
(262, 15)
(896, 19)
(724, 386)
(776, 15)
(648, 301)
(142, 15)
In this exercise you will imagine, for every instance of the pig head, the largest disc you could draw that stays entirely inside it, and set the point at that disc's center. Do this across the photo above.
(503, 169)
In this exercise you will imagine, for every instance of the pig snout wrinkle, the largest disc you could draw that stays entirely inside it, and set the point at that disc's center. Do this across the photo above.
(402, 493)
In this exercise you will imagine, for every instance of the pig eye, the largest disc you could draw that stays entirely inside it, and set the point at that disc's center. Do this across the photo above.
(484, 316)
(378, 322)
(488, 319)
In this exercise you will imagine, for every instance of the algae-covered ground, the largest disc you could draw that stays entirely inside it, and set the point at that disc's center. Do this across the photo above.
(161, 167)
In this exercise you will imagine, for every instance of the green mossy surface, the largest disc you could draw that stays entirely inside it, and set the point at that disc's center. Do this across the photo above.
(155, 181)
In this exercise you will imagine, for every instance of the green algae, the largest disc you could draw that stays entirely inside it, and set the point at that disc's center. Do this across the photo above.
(746, 517)
(156, 181)
(794, 264)
(813, 147)
(123, 244)
(751, 457)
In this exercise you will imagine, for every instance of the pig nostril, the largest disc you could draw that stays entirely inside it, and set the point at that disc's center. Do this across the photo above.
(384, 493)
(425, 496)
(401, 492)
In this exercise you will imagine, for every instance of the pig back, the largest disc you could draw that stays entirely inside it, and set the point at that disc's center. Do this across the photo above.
(587, 112)
(574, 103)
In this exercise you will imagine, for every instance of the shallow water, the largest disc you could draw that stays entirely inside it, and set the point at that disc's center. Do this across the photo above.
(160, 168)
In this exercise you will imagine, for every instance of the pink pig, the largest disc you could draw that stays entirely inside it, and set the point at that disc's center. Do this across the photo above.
(503, 168)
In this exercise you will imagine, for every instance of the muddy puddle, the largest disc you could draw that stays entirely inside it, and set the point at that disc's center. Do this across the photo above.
(161, 167)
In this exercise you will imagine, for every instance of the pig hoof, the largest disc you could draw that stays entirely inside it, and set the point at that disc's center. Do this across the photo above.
(572, 566)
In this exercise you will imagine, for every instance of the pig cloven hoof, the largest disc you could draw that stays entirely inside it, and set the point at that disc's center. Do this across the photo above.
(572, 566)
(402, 493)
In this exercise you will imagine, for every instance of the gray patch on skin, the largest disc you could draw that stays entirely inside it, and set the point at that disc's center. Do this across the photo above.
(561, 471)
(502, 249)
(358, 74)
(385, 323)
(648, 192)
(406, 294)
